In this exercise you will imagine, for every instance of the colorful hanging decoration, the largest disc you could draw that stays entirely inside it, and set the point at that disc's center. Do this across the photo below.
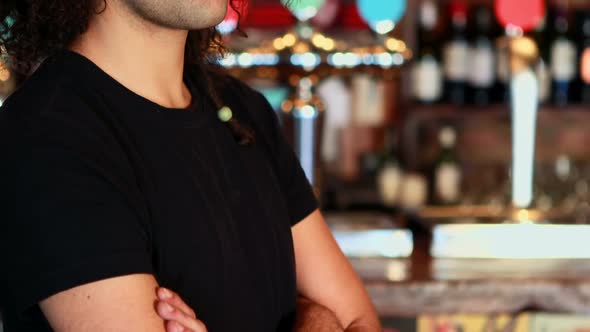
(327, 14)
(382, 15)
(234, 13)
(523, 15)
(8, 22)
(304, 10)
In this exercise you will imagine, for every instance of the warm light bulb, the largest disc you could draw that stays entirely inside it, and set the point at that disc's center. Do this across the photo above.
(278, 44)
(318, 40)
(289, 40)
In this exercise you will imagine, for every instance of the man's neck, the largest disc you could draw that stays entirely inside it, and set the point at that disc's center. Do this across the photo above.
(145, 58)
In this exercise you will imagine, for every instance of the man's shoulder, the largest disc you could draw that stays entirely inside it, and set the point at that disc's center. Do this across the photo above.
(50, 103)
(52, 112)
(44, 92)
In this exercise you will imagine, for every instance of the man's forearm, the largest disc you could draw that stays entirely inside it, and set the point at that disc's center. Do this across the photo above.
(313, 317)
(365, 326)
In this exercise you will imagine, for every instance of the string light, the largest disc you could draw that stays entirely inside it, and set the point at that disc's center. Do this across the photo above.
(312, 49)
(245, 60)
(278, 44)
(395, 45)
(329, 44)
(289, 40)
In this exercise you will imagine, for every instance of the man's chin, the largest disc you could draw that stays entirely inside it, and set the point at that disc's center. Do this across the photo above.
(210, 21)
(217, 11)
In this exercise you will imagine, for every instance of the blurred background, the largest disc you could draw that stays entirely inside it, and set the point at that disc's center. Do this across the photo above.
(448, 144)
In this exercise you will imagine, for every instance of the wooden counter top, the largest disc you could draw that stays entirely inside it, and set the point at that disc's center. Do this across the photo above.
(422, 285)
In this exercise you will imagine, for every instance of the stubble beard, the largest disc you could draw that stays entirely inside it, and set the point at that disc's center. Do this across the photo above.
(174, 14)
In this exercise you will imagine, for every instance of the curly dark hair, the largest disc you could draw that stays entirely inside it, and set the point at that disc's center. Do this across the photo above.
(31, 30)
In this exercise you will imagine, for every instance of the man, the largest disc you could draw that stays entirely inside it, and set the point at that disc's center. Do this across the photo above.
(129, 164)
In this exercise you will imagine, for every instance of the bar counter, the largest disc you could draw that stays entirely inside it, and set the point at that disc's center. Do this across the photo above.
(423, 285)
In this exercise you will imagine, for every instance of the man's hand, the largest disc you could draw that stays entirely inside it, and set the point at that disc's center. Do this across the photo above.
(178, 315)
(313, 317)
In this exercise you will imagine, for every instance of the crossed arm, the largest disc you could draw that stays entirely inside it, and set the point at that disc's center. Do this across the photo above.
(325, 276)
(131, 303)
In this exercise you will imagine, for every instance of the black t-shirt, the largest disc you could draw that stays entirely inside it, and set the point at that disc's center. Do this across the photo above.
(98, 182)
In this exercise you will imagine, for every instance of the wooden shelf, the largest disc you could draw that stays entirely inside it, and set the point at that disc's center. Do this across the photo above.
(485, 133)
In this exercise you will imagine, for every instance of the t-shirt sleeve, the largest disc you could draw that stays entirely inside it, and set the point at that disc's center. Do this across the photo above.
(73, 222)
(298, 192)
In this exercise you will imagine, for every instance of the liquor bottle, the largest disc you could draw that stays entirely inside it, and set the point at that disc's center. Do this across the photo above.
(390, 174)
(447, 172)
(502, 70)
(563, 57)
(456, 54)
(414, 192)
(585, 57)
(482, 74)
(542, 69)
(427, 71)
(544, 78)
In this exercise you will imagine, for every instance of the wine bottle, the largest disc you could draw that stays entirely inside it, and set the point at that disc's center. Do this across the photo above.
(482, 74)
(542, 69)
(563, 57)
(447, 172)
(502, 71)
(585, 57)
(455, 55)
(390, 174)
(427, 71)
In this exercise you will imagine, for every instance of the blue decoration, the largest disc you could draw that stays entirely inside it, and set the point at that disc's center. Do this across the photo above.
(382, 15)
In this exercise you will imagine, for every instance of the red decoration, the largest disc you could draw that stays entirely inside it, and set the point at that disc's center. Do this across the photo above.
(235, 10)
(458, 9)
(273, 15)
(525, 14)
(268, 15)
(232, 15)
(327, 14)
(350, 18)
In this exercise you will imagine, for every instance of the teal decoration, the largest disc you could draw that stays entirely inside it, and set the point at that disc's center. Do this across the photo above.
(382, 15)
(8, 22)
(275, 95)
(304, 10)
